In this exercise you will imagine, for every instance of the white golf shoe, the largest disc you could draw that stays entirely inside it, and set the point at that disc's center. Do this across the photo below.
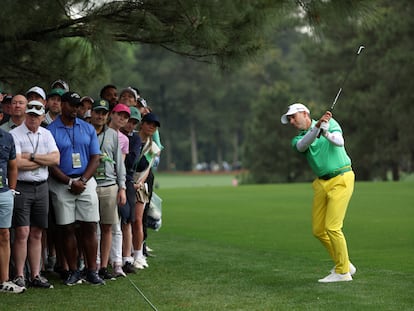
(336, 277)
(352, 269)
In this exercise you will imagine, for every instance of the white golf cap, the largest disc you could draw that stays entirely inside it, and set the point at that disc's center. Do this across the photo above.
(292, 109)
(35, 107)
(60, 84)
(38, 90)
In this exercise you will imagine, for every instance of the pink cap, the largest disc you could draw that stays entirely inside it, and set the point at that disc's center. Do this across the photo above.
(121, 108)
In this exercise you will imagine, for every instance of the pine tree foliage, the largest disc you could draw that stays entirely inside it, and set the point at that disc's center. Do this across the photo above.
(37, 36)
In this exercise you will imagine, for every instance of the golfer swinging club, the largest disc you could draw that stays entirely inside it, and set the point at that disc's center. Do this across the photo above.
(334, 186)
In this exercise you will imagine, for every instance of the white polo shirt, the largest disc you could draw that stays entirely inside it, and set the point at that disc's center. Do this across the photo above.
(41, 142)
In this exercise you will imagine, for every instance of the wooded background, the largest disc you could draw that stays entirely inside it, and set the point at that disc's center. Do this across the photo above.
(220, 73)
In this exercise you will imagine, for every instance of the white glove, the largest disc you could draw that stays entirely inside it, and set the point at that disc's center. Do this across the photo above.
(324, 128)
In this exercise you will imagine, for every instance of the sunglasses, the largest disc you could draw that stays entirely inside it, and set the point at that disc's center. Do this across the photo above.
(35, 107)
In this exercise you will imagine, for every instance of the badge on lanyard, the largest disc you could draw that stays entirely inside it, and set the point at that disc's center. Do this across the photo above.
(76, 160)
(100, 171)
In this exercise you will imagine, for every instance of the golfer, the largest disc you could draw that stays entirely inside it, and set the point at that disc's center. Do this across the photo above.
(333, 188)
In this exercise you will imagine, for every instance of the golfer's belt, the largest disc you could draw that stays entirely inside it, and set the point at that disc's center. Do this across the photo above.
(337, 172)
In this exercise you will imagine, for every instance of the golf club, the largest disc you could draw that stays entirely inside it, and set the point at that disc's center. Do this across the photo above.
(361, 47)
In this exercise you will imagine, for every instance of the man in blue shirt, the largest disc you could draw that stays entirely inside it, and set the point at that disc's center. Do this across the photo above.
(73, 188)
(8, 172)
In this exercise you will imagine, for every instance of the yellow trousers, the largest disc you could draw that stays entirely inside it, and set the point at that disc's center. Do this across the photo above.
(330, 202)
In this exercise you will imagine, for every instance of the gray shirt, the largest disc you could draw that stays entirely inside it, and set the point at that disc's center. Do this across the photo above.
(111, 165)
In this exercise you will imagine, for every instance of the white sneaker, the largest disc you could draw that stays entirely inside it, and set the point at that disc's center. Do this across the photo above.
(336, 277)
(118, 271)
(352, 269)
(141, 260)
(137, 264)
(10, 287)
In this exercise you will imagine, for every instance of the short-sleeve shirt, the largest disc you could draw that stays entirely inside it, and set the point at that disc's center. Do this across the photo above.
(41, 142)
(324, 157)
(123, 142)
(8, 126)
(7, 153)
(79, 139)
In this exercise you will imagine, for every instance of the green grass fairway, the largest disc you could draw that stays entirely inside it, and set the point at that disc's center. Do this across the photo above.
(193, 180)
(251, 248)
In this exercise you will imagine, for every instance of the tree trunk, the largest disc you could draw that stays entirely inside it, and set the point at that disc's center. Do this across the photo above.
(395, 172)
(193, 142)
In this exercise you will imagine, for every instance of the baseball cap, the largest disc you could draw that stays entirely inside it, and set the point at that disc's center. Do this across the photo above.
(122, 108)
(142, 102)
(292, 109)
(100, 104)
(60, 84)
(151, 117)
(72, 98)
(135, 114)
(87, 98)
(54, 92)
(35, 107)
(131, 91)
(38, 90)
(7, 99)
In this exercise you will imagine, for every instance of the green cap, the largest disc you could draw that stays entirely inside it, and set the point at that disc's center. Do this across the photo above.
(54, 92)
(101, 104)
(135, 114)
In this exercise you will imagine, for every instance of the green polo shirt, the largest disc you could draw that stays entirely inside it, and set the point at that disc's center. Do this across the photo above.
(322, 156)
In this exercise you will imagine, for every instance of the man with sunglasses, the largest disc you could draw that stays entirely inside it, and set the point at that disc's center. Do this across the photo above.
(36, 150)
(73, 188)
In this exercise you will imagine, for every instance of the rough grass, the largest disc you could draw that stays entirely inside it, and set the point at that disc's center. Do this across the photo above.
(250, 248)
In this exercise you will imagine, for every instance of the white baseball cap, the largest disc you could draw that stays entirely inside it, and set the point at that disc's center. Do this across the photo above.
(292, 109)
(60, 84)
(35, 107)
(38, 90)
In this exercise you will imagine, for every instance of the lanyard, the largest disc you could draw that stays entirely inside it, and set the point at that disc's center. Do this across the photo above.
(103, 139)
(72, 139)
(37, 144)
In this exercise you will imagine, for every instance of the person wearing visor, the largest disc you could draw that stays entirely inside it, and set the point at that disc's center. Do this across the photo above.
(322, 144)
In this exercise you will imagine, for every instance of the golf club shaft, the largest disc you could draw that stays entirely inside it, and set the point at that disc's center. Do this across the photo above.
(343, 81)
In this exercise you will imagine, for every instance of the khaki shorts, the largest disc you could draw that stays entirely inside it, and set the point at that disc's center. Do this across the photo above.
(108, 209)
(70, 208)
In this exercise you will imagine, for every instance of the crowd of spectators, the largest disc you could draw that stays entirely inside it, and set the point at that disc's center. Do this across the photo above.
(76, 182)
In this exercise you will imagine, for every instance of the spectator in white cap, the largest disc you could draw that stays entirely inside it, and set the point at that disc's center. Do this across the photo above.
(85, 105)
(129, 97)
(60, 84)
(36, 150)
(36, 93)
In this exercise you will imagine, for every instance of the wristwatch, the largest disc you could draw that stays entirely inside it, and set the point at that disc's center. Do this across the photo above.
(70, 183)
(32, 157)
